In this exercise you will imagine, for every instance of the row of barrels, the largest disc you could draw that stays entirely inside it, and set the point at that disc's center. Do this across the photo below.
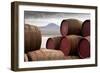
(75, 27)
(71, 45)
(75, 39)
(65, 44)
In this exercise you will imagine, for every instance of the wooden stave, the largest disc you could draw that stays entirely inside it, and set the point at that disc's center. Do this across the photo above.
(26, 41)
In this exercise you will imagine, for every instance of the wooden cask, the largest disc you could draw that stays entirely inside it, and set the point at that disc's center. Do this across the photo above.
(70, 26)
(84, 47)
(65, 46)
(74, 42)
(53, 43)
(32, 37)
(85, 31)
(69, 44)
(45, 54)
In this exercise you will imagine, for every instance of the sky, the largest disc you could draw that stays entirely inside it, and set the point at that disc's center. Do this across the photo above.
(44, 18)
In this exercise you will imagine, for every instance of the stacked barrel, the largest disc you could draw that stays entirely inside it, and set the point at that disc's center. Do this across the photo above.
(75, 39)
(84, 44)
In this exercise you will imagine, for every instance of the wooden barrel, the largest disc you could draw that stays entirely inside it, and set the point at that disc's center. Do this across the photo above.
(45, 54)
(71, 57)
(65, 46)
(53, 43)
(70, 26)
(84, 47)
(74, 41)
(25, 58)
(85, 31)
(32, 37)
(69, 44)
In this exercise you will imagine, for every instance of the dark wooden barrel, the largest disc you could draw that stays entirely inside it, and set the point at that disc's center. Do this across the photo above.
(25, 58)
(45, 54)
(71, 57)
(69, 44)
(32, 37)
(84, 47)
(74, 41)
(53, 43)
(70, 26)
(85, 31)
(65, 46)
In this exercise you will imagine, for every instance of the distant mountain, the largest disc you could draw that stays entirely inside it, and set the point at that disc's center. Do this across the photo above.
(50, 29)
(51, 25)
